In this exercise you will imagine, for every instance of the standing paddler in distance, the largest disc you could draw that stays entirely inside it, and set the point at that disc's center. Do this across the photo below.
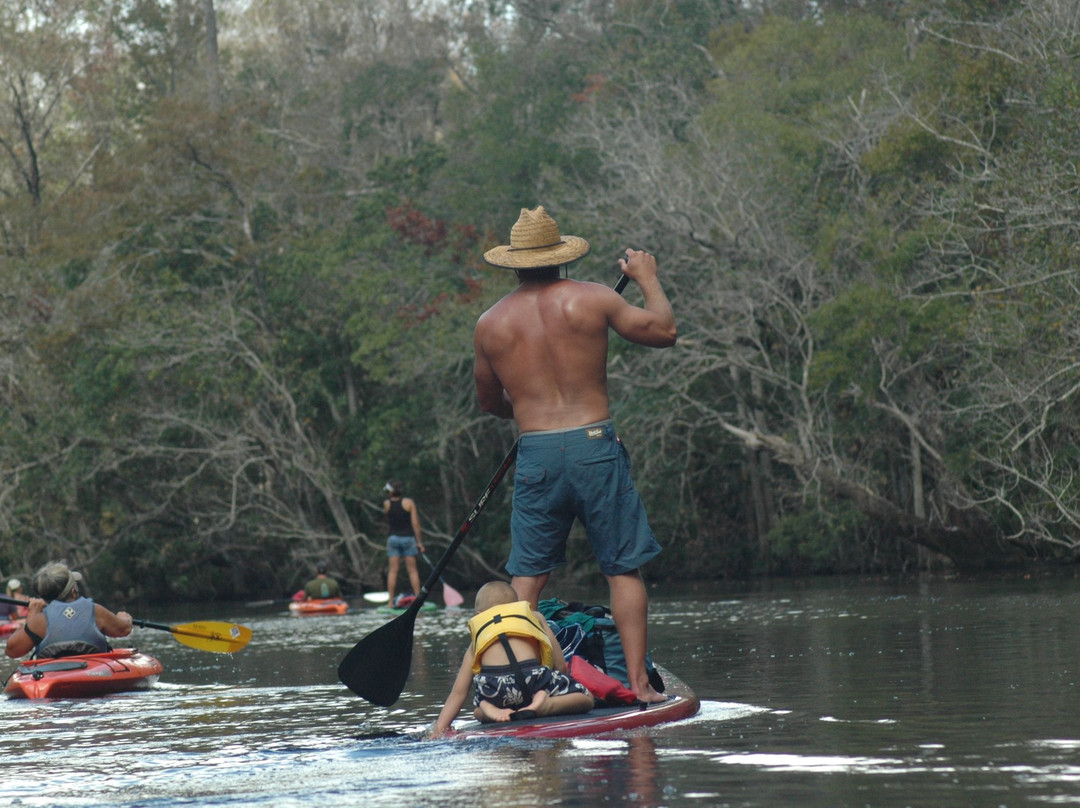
(403, 537)
(541, 360)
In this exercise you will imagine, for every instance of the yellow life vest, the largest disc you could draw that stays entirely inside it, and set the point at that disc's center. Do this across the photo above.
(513, 619)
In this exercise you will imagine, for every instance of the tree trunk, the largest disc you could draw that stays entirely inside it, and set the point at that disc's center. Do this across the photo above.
(213, 80)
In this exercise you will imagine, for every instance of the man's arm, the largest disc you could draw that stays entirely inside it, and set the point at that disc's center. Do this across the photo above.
(489, 389)
(654, 324)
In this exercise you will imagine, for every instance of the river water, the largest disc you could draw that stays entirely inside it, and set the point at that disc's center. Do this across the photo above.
(823, 693)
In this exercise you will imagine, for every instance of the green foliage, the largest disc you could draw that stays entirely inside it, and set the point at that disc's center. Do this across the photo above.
(822, 540)
(233, 308)
(848, 327)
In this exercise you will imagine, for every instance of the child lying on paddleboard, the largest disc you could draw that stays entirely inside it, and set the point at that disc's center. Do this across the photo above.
(514, 665)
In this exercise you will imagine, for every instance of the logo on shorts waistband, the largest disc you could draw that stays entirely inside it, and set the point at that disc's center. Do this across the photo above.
(595, 432)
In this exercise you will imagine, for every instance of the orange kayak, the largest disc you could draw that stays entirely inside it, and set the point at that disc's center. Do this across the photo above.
(83, 676)
(317, 606)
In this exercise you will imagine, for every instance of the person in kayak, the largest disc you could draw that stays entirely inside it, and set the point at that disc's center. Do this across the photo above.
(15, 590)
(541, 360)
(514, 665)
(403, 539)
(61, 622)
(322, 586)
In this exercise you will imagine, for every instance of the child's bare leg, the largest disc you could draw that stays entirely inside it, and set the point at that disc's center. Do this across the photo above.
(488, 713)
(538, 701)
(569, 704)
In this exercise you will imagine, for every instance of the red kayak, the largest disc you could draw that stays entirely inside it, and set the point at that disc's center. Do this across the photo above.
(681, 703)
(319, 606)
(83, 676)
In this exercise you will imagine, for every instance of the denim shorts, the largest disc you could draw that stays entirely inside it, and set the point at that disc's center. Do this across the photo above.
(584, 474)
(402, 546)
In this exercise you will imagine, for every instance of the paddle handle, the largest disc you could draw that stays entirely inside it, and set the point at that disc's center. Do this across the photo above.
(508, 461)
(13, 601)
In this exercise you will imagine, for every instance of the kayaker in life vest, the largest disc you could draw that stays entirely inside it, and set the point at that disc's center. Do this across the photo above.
(61, 622)
(322, 586)
(514, 665)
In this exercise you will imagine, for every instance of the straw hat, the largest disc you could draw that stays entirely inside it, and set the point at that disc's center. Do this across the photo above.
(535, 242)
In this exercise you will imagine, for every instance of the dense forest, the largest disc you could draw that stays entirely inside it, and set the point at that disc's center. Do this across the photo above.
(241, 240)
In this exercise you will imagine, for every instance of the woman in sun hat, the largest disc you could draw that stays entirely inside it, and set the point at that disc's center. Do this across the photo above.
(62, 622)
(541, 359)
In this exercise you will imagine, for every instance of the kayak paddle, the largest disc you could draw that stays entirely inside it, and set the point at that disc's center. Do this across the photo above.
(222, 638)
(206, 635)
(451, 597)
(377, 667)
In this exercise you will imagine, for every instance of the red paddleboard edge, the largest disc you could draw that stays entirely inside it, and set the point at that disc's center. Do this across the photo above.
(681, 704)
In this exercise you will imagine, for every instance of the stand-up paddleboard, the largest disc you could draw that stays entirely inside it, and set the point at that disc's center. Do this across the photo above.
(402, 603)
(681, 704)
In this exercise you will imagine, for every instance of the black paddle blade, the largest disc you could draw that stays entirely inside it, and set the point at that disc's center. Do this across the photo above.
(377, 667)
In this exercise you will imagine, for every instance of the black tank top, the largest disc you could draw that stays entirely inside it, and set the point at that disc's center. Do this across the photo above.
(399, 518)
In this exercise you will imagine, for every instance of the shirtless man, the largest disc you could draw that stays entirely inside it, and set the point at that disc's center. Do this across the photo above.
(541, 359)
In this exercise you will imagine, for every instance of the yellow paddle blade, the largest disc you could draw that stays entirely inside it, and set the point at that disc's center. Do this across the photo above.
(222, 638)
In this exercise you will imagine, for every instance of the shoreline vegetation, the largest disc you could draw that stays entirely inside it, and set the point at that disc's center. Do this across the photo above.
(240, 249)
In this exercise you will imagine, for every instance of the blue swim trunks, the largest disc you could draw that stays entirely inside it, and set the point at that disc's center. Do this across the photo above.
(581, 473)
(402, 546)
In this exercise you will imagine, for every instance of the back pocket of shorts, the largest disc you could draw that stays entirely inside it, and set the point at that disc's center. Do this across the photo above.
(530, 475)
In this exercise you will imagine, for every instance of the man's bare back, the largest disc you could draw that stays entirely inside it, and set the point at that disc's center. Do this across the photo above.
(545, 344)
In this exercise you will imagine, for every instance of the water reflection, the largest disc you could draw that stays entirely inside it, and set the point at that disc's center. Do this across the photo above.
(817, 695)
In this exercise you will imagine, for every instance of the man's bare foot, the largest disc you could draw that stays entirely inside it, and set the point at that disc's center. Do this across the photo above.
(648, 695)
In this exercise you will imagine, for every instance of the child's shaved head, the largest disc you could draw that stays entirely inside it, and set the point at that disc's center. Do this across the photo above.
(495, 593)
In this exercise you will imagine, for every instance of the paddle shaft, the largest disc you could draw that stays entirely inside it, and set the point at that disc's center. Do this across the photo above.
(213, 636)
(135, 621)
(171, 629)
